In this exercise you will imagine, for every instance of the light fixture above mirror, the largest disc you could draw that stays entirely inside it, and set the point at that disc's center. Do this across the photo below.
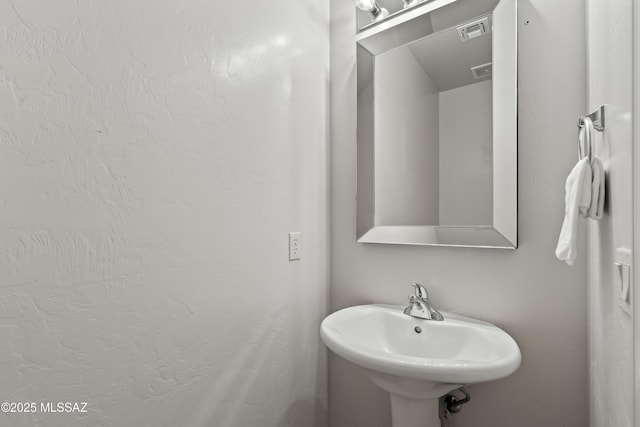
(372, 12)
(372, 7)
(410, 3)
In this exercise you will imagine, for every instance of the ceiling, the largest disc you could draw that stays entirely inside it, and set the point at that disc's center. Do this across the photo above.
(448, 61)
(442, 55)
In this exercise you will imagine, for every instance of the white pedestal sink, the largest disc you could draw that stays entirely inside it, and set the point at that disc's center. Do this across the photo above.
(417, 361)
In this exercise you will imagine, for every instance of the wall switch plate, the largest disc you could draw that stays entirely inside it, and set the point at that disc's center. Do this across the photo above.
(623, 262)
(295, 245)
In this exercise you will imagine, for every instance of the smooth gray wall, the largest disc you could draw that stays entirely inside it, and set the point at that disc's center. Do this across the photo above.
(540, 301)
(466, 155)
(611, 319)
(406, 141)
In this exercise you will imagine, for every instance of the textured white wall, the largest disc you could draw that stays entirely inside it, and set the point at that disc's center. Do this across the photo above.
(466, 155)
(610, 66)
(540, 301)
(154, 155)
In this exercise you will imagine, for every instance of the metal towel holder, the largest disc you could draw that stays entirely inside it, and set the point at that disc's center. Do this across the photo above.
(597, 119)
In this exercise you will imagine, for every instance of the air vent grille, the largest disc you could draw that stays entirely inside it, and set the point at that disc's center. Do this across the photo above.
(475, 29)
(482, 71)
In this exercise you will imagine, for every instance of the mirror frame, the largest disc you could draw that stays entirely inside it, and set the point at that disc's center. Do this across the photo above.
(503, 233)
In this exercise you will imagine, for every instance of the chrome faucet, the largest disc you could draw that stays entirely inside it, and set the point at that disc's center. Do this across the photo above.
(420, 305)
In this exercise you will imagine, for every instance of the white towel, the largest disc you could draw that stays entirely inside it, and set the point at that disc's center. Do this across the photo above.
(597, 189)
(577, 199)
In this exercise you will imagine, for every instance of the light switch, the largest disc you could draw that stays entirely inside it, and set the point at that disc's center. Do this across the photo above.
(623, 277)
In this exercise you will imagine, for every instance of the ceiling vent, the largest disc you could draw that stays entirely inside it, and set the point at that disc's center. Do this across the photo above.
(482, 71)
(475, 29)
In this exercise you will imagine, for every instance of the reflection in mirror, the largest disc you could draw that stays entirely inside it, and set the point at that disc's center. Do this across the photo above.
(436, 130)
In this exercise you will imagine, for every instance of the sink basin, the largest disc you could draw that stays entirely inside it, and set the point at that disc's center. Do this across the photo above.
(419, 360)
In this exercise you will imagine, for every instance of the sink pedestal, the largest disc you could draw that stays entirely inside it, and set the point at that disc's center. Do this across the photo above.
(414, 402)
(407, 412)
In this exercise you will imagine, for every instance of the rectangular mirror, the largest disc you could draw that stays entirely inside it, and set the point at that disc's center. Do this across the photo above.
(437, 127)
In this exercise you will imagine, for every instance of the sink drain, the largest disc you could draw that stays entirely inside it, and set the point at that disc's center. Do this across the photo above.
(418, 329)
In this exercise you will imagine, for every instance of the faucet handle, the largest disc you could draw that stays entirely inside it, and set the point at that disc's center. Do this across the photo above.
(420, 291)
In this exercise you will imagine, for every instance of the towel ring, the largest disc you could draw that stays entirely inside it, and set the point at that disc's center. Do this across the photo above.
(585, 145)
(589, 122)
(597, 118)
